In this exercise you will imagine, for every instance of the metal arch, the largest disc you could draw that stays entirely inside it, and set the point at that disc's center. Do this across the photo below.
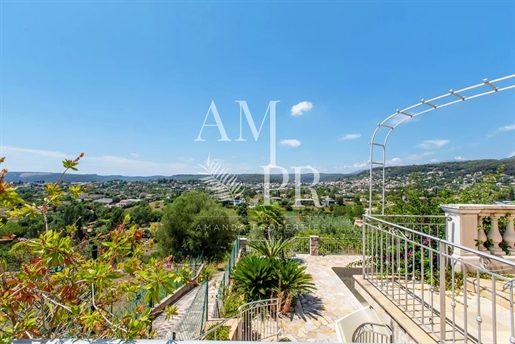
(425, 106)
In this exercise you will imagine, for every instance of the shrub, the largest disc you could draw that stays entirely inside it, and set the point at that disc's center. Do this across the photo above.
(221, 333)
(232, 301)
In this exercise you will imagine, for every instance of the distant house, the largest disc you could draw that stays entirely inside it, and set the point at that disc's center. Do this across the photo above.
(303, 202)
(328, 201)
(104, 200)
(85, 197)
(128, 202)
(358, 222)
(236, 202)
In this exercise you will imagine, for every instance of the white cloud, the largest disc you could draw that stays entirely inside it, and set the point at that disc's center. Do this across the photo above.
(502, 129)
(459, 158)
(358, 165)
(511, 155)
(297, 110)
(394, 162)
(187, 159)
(40, 152)
(506, 128)
(433, 160)
(135, 155)
(433, 144)
(348, 137)
(291, 142)
(415, 157)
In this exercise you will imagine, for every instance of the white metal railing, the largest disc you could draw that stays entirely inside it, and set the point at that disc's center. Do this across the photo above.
(454, 298)
(259, 320)
(300, 245)
(337, 246)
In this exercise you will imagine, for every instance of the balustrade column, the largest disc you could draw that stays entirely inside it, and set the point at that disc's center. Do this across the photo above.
(495, 236)
(509, 235)
(481, 236)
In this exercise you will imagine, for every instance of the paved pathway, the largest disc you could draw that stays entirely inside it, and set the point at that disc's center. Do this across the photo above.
(321, 309)
(165, 327)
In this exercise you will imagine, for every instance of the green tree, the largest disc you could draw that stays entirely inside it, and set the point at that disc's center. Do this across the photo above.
(268, 218)
(486, 190)
(416, 198)
(270, 248)
(196, 222)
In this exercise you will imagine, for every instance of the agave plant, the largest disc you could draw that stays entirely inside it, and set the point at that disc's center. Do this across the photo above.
(271, 248)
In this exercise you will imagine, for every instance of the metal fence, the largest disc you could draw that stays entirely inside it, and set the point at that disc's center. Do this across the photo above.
(259, 320)
(192, 322)
(300, 245)
(226, 278)
(130, 306)
(454, 299)
(337, 246)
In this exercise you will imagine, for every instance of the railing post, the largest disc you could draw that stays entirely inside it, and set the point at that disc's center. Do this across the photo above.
(443, 315)
(243, 245)
(364, 228)
(313, 245)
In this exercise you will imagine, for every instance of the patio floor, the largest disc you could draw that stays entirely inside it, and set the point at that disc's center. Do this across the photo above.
(315, 322)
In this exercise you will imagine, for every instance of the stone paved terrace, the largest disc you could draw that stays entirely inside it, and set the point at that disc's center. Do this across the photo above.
(321, 309)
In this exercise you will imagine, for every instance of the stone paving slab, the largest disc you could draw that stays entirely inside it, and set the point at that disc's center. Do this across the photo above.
(315, 322)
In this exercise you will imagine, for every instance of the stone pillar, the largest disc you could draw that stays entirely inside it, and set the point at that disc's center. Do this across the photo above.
(243, 245)
(463, 224)
(495, 236)
(481, 236)
(313, 245)
(509, 235)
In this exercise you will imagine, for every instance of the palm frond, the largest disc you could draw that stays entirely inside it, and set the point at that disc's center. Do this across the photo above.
(220, 181)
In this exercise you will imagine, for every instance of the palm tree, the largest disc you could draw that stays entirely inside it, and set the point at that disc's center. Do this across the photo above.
(293, 279)
(260, 278)
(271, 248)
(255, 277)
(268, 216)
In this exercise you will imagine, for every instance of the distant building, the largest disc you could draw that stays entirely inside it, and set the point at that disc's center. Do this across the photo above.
(104, 200)
(236, 202)
(328, 201)
(304, 202)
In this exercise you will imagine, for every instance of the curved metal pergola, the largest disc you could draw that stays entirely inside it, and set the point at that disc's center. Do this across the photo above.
(424, 106)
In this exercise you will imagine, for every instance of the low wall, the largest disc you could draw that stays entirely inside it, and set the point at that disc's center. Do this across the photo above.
(404, 329)
(171, 299)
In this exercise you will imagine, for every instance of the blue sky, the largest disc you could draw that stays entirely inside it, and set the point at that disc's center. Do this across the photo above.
(130, 83)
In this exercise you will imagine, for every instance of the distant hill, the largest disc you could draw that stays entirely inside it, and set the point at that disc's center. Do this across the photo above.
(70, 177)
(456, 168)
(28, 177)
